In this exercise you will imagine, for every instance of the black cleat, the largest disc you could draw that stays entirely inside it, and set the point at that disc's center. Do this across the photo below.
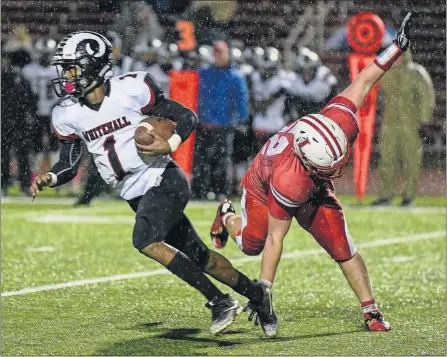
(265, 315)
(224, 311)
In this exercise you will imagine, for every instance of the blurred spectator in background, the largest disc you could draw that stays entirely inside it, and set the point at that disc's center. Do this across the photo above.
(137, 24)
(244, 138)
(409, 99)
(158, 58)
(19, 39)
(121, 62)
(312, 86)
(270, 84)
(207, 31)
(18, 105)
(223, 103)
(39, 74)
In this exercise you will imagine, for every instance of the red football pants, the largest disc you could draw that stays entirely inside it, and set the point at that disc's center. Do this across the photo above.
(322, 217)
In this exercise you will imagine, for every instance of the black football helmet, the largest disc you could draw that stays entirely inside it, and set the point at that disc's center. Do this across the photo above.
(92, 53)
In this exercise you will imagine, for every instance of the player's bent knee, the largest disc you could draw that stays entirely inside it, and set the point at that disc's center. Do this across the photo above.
(143, 235)
(251, 245)
(152, 250)
(343, 256)
(253, 249)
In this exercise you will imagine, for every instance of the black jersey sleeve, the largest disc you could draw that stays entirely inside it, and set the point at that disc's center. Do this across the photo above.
(185, 118)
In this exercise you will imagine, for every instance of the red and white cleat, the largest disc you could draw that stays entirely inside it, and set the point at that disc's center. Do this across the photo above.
(218, 233)
(374, 321)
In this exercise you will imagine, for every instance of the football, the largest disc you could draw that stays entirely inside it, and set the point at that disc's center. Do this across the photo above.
(162, 126)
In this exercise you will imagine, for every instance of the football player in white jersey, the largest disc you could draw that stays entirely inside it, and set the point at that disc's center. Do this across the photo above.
(39, 74)
(94, 185)
(104, 114)
(269, 84)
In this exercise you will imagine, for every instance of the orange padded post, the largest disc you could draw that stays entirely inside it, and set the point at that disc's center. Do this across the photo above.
(365, 33)
(184, 88)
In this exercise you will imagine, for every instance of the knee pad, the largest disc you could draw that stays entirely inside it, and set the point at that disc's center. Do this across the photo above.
(144, 236)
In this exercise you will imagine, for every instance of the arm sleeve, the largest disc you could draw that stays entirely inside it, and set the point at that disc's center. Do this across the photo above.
(240, 97)
(69, 159)
(185, 118)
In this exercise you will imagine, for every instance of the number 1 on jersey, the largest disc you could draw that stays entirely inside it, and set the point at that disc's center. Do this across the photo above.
(109, 146)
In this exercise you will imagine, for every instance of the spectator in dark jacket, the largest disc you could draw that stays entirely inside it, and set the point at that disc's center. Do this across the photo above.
(223, 104)
(18, 105)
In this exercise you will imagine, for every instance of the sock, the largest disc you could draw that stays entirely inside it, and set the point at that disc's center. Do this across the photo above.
(248, 288)
(190, 273)
(369, 306)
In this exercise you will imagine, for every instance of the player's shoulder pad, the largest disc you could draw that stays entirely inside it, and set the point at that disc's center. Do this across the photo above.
(140, 85)
(132, 83)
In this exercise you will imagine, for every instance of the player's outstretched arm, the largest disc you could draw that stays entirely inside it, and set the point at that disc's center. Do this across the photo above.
(63, 171)
(273, 247)
(371, 74)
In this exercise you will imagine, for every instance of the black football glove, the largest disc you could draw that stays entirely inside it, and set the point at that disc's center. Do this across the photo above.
(403, 35)
(253, 310)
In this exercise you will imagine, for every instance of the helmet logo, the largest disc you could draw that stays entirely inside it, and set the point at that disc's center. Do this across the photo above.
(303, 141)
(91, 52)
(73, 42)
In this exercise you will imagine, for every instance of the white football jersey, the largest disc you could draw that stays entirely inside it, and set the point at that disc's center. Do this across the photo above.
(318, 89)
(40, 78)
(272, 119)
(109, 134)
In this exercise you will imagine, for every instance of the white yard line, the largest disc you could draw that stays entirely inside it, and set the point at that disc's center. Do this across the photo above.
(197, 204)
(41, 249)
(297, 253)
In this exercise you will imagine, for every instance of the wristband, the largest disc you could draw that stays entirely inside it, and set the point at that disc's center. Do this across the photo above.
(174, 142)
(53, 179)
(386, 59)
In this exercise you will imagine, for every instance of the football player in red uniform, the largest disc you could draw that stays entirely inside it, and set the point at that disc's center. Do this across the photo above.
(291, 177)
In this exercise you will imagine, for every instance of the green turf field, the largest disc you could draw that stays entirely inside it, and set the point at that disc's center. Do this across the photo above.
(72, 284)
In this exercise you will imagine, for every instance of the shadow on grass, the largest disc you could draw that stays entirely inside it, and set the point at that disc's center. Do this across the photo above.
(186, 342)
(173, 342)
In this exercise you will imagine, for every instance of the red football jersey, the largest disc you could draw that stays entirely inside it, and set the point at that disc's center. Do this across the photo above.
(278, 178)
